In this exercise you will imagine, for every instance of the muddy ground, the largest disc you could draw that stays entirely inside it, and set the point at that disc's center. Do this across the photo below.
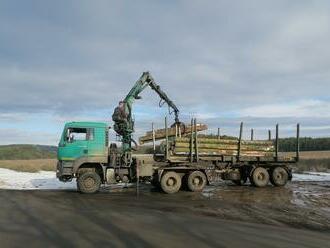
(297, 215)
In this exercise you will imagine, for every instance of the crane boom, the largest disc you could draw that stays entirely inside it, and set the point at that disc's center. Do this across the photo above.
(144, 81)
(125, 126)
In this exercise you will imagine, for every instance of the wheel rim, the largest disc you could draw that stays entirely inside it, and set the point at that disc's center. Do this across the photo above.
(279, 176)
(171, 182)
(89, 182)
(261, 176)
(197, 181)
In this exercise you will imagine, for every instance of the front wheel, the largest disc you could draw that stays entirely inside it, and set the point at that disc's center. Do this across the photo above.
(89, 183)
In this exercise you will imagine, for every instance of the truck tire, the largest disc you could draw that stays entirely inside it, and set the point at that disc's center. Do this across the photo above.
(196, 181)
(260, 177)
(170, 182)
(89, 183)
(279, 176)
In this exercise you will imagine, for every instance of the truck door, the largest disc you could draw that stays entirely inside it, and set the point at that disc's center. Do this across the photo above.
(96, 144)
(76, 143)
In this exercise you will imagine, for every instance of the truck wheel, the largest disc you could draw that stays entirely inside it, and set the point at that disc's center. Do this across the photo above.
(260, 177)
(170, 182)
(89, 183)
(279, 176)
(196, 181)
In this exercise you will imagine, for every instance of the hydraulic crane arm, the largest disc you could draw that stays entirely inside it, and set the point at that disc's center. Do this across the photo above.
(165, 98)
(124, 124)
(144, 81)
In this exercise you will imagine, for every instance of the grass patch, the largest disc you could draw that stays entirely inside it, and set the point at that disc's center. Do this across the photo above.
(22, 152)
(317, 165)
(318, 161)
(33, 165)
(310, 154)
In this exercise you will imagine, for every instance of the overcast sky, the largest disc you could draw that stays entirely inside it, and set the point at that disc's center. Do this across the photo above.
(260, 62)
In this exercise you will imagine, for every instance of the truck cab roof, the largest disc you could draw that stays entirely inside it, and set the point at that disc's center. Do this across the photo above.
(87, 124)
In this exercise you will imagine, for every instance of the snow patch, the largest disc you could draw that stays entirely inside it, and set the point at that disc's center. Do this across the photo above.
(309, 176)
(10, 179)
(46, 180)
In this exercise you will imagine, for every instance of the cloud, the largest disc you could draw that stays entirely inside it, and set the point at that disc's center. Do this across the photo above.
(17, 136)
(215, 59)
(306, 108)
(11, 117)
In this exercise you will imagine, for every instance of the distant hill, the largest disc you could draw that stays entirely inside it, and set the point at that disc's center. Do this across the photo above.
(12, 152)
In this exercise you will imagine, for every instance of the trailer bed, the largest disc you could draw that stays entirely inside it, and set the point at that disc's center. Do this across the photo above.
(279, 159)
(194, 148)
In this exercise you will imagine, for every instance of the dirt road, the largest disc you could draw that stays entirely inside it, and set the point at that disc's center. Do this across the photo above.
(227, 216)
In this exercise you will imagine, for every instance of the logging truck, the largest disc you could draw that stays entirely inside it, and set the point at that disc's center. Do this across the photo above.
(188, 160)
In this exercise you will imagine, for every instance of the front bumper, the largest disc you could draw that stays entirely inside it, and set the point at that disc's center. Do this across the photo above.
(64, 170)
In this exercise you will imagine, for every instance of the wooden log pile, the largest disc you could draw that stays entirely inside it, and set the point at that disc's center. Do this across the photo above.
(228, 147)
(172, 132)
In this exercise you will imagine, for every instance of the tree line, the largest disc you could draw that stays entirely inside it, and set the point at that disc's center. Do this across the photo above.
(306, 144)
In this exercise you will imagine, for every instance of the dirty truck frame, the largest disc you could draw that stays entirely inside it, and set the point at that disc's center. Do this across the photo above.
(93, 162)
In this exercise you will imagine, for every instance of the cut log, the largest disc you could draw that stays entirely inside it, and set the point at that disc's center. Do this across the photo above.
(172, 132)
(226, 146)
(227, 141)
(207, 152)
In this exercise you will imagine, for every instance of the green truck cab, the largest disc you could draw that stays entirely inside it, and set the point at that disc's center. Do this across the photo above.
(84, 153)
(83, 139)
(81, 144)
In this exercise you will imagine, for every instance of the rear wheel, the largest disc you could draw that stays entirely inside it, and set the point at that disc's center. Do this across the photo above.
(196, 181)
(260, 177)
(89, 183)
(170, 182)
(279, 176)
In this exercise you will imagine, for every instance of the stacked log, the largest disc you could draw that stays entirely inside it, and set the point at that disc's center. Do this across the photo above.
(172, 132)
(228, 147)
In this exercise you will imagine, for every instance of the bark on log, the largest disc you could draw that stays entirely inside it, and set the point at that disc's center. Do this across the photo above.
(160, 133)
(205, 152)
(227, 141)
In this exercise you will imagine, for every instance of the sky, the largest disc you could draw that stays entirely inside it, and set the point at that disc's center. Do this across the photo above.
(261, 62)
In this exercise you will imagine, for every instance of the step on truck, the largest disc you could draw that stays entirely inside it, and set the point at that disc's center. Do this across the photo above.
(187, 162)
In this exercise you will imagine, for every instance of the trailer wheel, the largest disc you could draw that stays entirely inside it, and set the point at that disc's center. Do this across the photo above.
(89, 183)
(279, 176)
(260, 177)
(196, 181)
(170, 182)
